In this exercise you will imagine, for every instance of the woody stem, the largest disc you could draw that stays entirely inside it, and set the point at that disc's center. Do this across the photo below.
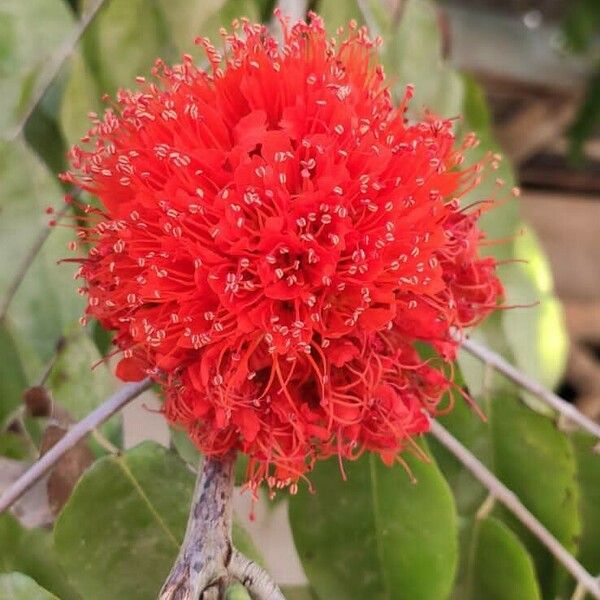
(206, 550)
(204, 565)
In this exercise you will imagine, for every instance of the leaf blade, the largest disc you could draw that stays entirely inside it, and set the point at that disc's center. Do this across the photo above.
(16, 586)
(349, 551)
(501, 568)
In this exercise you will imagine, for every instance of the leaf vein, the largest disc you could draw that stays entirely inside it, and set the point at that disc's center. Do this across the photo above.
(138, 488)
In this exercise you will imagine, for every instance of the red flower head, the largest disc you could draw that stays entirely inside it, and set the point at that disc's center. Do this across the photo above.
(274, 240)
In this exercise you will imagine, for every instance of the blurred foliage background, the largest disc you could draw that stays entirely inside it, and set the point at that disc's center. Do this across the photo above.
(108, 521)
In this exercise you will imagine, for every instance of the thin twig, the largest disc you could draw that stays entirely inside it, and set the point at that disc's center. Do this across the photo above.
(101, 414)
(512, 502)
(27, 262)
(256, 580)
(54, 66)
(489, 357)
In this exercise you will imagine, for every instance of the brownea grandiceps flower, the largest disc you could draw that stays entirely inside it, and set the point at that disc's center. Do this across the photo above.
(274, 238)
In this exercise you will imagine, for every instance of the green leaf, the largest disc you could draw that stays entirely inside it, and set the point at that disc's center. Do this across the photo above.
(16, 586)
(183, 445)
(588, 474)
(377, 535)
(46, 301)
(119, 533)
(80, 381)
(481, 380)
(297, 592)
(581, 24)
(475, 109)
(188, 20)
(13, 380)
(102, 338)
(536, 461)
(30, 32)
(42, 131)
(243, 542)
(498, 565)
(138, 32)
(501, 222)
(534, 337)
(412, 53)
(31, 552)
(75, 386)
(237, 591)
(123, 42)
(339, 14)
(14, 446)
(81, 96)
(473, 433)
(586, 120)
(536, 334)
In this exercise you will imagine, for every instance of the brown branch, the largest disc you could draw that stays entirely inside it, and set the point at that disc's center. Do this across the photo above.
(206, 550)
(101, 414)
(207, 560)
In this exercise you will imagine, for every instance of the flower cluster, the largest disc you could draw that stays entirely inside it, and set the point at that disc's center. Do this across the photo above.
(275, 237)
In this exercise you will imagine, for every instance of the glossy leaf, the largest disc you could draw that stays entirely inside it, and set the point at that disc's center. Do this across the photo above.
(588, 475)
(120, 532)
(536, 461)
(532, 337)
(377, 535)
(473, 433)
(31, 552)
(482, 381)
(498, 566)
(16, 586)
